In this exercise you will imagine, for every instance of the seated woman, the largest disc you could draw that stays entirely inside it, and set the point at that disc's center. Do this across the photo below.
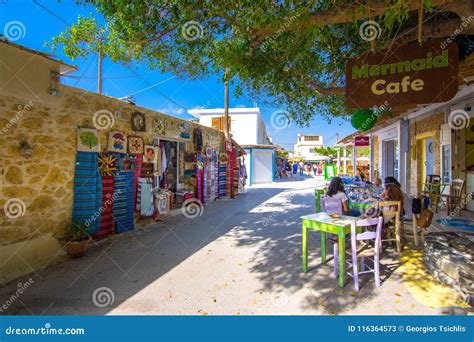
(393, 192)
(336, 189)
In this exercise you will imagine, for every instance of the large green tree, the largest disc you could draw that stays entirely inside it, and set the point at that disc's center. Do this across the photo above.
(292, 52)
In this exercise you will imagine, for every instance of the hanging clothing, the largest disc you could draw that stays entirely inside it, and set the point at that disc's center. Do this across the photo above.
(87, 191)
(198, 140)
(164, 161)
(123, 205)
(145, 197)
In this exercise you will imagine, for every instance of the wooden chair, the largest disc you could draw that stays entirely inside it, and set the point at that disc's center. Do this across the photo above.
(332, 205)
(391, 211)
(367, 251)
(455, 197)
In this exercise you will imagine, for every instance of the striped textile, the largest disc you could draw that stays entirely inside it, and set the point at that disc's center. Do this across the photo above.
(123, 205)
(222, 180)
(87, 190)
(199, 183)
(106, 219)
(136, 175)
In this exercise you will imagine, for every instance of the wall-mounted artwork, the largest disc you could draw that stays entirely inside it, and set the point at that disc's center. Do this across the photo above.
(138, 122)
(159, 125)
(185, 131)
(150, 154)
(107, 164)
(88, 140)
(117, 142)
(135, 145)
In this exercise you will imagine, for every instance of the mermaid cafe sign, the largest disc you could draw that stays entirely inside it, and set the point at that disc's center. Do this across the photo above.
(407, 75)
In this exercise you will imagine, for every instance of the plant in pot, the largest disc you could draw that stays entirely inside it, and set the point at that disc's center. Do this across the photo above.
(80, 240)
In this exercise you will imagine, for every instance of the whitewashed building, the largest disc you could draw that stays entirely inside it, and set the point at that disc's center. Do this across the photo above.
(248, 130)
(305, 145)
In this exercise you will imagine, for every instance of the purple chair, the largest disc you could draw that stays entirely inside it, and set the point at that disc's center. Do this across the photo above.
(367, 251)
(332, 205)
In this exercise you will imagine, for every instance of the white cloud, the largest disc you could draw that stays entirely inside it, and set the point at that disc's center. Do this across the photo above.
(172, 110)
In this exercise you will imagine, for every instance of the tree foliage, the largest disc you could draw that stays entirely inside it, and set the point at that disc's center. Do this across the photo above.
(292, 52)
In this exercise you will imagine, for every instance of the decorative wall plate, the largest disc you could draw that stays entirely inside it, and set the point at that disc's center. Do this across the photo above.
(107, 164)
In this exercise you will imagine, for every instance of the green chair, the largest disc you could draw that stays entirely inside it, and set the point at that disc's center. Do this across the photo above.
(317, 197)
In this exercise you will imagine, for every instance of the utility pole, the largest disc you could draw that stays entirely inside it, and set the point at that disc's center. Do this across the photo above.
(226, 105)
(99, 74)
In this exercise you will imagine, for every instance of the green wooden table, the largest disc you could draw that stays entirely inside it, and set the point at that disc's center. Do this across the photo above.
(326, 224)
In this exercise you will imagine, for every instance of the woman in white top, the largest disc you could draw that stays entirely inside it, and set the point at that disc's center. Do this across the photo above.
(336, 189)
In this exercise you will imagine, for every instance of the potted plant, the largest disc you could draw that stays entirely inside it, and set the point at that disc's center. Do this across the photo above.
(80, 240)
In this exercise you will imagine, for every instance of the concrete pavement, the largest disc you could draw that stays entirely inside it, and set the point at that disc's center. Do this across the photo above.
(240, 257)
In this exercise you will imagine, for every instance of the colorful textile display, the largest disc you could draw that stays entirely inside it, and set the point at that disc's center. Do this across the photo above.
(88, 140)
(117, 142)
(119, 161)
(87, 191)
(107, 164)
(145, 197)
(222, 180)
(198, 139)
(123, 205)
(106, 219)
(135, 145)
(199, 183)
(136, 175)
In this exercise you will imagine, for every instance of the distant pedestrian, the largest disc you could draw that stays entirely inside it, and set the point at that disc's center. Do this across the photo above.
(295, 171)
(287, 169)
(301, 167)
(315, 169)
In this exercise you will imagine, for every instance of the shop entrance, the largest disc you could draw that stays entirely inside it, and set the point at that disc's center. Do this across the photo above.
(171, 169)
(390, 158)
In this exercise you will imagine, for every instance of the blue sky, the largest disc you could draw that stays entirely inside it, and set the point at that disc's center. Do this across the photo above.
(44, 19)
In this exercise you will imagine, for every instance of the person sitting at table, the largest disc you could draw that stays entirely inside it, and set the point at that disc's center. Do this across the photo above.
(393, 192)
(336, 189)
(392, 180)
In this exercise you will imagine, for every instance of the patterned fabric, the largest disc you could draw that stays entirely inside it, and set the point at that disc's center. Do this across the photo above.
(135, 145)
(123, 205)
(106, 219)
(107, 164)
(146, 197)
(136, 175)
(87, 191)
(199, 183)
(222, 180)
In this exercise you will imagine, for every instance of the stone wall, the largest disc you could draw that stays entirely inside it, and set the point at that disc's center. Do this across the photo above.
(430, 123)
(44, 182)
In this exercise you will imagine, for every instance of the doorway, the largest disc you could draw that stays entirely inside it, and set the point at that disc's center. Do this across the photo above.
(390, 158)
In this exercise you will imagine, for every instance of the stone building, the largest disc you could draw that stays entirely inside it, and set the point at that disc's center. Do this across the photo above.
(39, 117)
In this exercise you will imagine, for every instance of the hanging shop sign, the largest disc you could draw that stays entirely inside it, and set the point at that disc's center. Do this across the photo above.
(361, 141)
(407, 75)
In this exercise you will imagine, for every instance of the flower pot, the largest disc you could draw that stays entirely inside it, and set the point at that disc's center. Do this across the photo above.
(76, 249)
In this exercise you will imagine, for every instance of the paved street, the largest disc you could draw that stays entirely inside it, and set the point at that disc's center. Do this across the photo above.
(241, 256)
